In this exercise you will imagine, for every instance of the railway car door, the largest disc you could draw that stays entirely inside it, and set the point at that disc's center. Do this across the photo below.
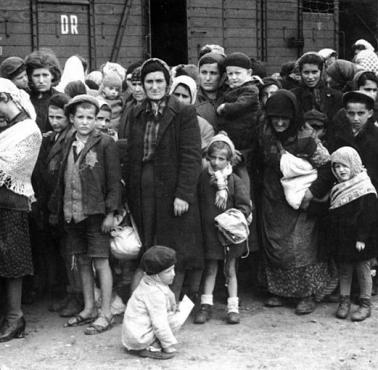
(168, 31)
(64, 28)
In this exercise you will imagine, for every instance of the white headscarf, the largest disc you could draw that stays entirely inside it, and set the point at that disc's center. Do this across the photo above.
(189, 83)
(73, 71)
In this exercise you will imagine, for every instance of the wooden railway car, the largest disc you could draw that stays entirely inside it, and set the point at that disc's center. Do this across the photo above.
(125, 31)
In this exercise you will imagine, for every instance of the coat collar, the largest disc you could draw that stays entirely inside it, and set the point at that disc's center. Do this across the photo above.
(57, 146)
(171, 109)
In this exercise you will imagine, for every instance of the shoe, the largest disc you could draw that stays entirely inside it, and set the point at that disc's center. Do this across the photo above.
(73, 307)
(203, 314)
(12, 329)
(79, 320)
(155, 354)
(363, 311)
(274, 301)
(101, 324)
(233, 318)
(305, 306)
(344, 307)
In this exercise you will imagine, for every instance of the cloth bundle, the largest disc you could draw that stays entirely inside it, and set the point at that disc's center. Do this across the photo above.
(298, 175)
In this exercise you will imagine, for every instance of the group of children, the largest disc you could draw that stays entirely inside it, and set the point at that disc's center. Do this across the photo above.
(80, 188)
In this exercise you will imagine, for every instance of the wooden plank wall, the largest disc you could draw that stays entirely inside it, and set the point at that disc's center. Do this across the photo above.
(107, 17)
(230, 23)
(318, 31)
(18, 41)
(281, 25)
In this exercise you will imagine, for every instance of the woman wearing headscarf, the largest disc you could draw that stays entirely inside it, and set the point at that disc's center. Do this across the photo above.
(291, 268)
(43, 69)
(340, 74)
(20, 141)
(162, 171)
(184, 88)
(313, 93)
(73, 71)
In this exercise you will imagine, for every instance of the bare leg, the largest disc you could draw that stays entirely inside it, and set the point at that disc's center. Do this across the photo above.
(106, 284)
(87, 282)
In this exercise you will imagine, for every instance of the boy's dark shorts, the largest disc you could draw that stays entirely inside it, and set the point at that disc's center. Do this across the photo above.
(87, 238)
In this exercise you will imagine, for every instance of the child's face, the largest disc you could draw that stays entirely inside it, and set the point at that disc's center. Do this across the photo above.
(103, 120)
(342, 172)
(57, 118)
(280, 124)
(268, 92)
(237, 76)
(21, 80)
(358, 115)
(310, 74)
(111, 92)
(218, 159)
(167, 275)
(370, 88)
(182, 94)
(84, 120)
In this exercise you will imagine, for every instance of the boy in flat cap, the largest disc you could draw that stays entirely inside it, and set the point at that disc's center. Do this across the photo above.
(87, 196)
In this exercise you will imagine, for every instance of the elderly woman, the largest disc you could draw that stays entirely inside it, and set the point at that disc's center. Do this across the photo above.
(20, 140)
(290, 236)
(163, 166)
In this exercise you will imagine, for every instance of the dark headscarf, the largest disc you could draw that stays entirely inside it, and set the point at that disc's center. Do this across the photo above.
(283, 103)
(342, 72)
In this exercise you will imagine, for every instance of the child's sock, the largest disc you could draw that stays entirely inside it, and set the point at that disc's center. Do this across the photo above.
(207, 299)
(233, 304)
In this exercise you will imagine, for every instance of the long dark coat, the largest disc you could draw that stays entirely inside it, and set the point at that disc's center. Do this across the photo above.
(355, 221)
(177, 165)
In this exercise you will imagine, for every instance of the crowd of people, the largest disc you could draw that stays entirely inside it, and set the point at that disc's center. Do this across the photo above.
(290, 159)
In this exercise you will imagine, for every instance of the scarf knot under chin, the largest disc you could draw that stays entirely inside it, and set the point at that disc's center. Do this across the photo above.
(347, 191)
(19, 149)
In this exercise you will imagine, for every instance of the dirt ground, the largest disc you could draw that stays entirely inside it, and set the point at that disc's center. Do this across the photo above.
(266, 339)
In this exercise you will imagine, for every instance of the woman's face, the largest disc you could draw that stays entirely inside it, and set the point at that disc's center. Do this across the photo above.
(209, 77)
(167, 276)
(182, 94)
(280, 124)
(41, 79)
(137, 90)
(268, 92)
(310, 74)
(155, 85)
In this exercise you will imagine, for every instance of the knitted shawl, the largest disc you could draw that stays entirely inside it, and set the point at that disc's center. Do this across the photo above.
(357, 186)
(19, 149)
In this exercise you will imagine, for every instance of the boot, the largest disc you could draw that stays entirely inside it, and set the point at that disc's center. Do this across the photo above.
(203, 315)
(363, 311)
(344, 307)
(12, 329)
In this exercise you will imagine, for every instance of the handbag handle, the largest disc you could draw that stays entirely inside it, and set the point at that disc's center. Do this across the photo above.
(133, 224)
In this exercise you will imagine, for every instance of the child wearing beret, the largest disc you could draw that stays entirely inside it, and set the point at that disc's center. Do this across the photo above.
(150, 316)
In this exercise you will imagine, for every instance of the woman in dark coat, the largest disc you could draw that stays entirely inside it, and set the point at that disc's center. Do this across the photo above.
(290, 237)
(163, 166)
(313, 93)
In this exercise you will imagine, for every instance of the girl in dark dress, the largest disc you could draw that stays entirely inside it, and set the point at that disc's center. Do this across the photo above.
(219, 190)
(353, 225)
